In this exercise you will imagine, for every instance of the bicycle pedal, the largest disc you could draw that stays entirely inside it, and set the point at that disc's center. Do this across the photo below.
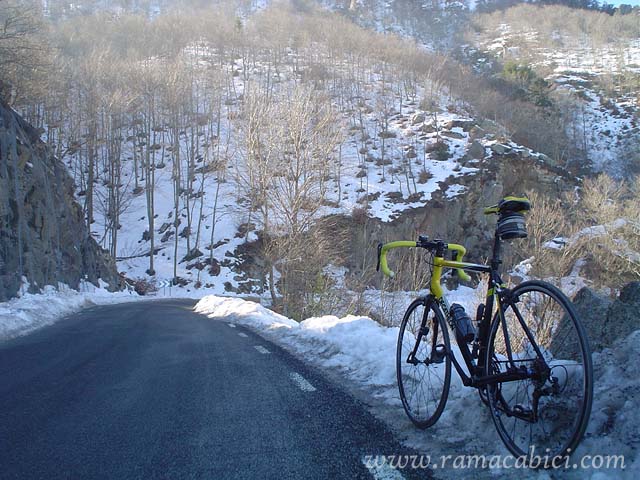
(522, 410)
(439, 353)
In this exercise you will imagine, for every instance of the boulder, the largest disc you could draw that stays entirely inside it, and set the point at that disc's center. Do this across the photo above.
(167, 235)
(547, 160)
(607, 321)
(500, 149)
(592, 310)
(465, 125)
(387, 134)
(186, 231)
(214, 268)
(394, 197)
(622, 319)
(630, 293)
(428, 128)
(454, 135)
(418, 118)
(623, 316)
(192, 255)
(476, 150)
(476, 132)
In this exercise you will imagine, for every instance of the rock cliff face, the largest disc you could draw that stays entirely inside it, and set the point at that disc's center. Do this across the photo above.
(42, 232)
(607, 320)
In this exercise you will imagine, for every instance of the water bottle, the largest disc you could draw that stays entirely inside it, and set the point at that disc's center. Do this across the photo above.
(465, 332)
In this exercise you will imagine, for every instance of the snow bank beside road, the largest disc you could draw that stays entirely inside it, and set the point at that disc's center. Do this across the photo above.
(364, 351)
(23, 315)
(20, 316)
(357, 345)
(242, 311)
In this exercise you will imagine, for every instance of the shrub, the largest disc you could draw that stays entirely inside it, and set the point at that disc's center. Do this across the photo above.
(424, 176)
(613, 242)
(601, 227)
(143, 286)
(441, 151)
(359, 215)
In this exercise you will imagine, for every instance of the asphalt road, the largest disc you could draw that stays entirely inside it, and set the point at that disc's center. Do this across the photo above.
(153, 390)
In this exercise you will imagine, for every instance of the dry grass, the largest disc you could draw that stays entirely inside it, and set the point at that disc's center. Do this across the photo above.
(600, 225)
(613, 249)
(547, 220)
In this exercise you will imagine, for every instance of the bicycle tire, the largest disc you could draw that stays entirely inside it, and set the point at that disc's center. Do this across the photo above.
(553, 428)
(422, 406)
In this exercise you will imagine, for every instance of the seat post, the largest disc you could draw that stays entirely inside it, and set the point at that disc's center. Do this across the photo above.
(496, 259)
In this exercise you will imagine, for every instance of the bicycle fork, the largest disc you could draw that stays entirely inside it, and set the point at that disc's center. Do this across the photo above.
(438, 351)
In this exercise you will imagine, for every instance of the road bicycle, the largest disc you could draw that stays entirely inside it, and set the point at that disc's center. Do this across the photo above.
(527, 352)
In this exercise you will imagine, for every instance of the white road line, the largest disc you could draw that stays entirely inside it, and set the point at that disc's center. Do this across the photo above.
(243, 335)
(261, 349)
(302, 382)
(380, 469)
(231, 325)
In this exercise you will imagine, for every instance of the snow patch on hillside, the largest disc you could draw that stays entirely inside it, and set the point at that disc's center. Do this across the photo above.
(603, 124)
(388, 163)
(603, 127)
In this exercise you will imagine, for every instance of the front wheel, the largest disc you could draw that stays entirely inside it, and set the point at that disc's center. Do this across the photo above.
(423, 364)
(537, 336)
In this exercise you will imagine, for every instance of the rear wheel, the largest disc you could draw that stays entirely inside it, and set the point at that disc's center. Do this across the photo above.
(539, 335)
(423, 364)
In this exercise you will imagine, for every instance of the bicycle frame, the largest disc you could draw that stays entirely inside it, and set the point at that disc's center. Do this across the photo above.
(497, 294)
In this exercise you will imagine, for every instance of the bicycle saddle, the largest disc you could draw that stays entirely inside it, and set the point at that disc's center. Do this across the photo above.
(509, 205)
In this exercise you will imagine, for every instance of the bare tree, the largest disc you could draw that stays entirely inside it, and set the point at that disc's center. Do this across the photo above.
(21, 51)
(290, 146)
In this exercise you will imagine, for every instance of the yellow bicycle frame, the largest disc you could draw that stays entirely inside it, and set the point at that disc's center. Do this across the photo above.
(439, 263)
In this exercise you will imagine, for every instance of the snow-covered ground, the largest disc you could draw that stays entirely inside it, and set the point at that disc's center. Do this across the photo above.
(29, 312)
(602, 126)
(571, 55)
(32, 311)
(361, 352)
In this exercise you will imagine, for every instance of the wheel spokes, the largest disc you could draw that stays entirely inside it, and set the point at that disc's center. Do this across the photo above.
(423, 366)
(539, 335)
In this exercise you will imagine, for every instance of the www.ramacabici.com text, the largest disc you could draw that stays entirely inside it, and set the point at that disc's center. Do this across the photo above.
(532, 460)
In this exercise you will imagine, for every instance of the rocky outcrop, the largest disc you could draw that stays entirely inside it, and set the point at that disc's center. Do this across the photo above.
(461, 219)
(43, 236)
(606, 320)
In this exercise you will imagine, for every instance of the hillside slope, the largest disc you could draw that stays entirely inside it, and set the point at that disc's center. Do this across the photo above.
(207, 152)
